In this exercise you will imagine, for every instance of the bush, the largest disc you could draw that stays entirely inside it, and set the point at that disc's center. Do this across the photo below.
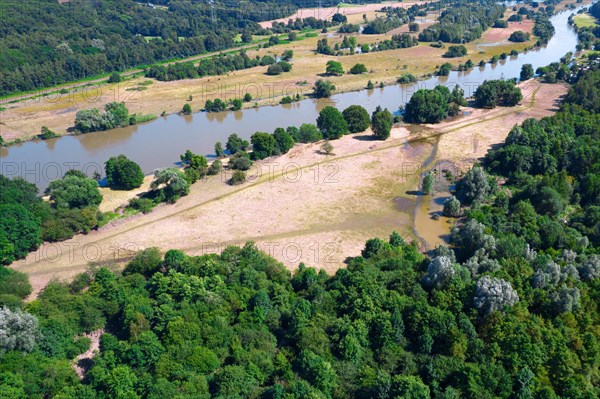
(115, 78)
(413, 27)
(332, 124)
(241, 162)
(455, 51)
(327, 148)
(215, 168)
(407, 78)
(357, 118)
(238, 177)
(519, 37)
(501, 24)
(274, 69)
(235, 144)
(123, 174)
(92, 120)
(247, 97)
(46, 134)
(323, 88)
(144, 205)
(334, 68)
(358, 69)
(444, 69)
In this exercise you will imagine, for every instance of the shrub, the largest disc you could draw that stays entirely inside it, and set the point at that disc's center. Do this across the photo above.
(334, 68)
(323, 88)
(407, 78)
(144, 205)
(413, 27)
(500, 24)
(444, 69)
(115, 78)
(274, 69)
(238, 177)
(327, 148)
(214, 168)
(358, 69)
(519, 37)
(455, 51)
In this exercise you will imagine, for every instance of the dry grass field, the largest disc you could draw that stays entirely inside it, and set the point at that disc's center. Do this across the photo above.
(304, 206)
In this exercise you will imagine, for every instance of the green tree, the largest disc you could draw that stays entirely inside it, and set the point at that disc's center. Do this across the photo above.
(426, 106)
(357, 118)
(428, 182)
(452, 207)
(219, 152)
(20, 230)
(323, 88)
(283, 141)
(115, 77)
(123, 174)
(381, 123)
(358, 69)
(474, 186)
(172, 182)
(236, 104)
(73, 191)
(263, 145)
(526, 72)
(187, 109)
(334, 68)
(235, 144)
(309, 133)
(332, 124)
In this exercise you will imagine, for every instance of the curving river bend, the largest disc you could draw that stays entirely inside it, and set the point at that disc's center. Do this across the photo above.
(159, 143)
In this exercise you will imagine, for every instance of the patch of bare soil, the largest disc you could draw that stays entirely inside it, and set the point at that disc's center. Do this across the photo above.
(83, 362)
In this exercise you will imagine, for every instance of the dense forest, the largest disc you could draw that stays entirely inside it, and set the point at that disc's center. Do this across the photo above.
(511, 311)
(44, 43)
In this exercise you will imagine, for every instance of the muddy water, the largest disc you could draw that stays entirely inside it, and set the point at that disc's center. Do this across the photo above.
(159, 143)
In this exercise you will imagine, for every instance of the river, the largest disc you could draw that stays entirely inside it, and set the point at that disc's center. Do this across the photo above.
(159, 143)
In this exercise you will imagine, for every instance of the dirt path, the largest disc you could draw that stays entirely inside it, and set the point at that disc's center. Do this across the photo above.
(301, 207)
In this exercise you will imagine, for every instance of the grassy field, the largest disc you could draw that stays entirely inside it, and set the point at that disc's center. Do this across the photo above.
(585, 20)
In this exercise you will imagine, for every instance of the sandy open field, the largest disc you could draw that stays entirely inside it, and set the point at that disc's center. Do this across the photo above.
(304, 206)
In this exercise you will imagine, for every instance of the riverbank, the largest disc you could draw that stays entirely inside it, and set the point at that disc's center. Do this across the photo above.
(22, 121)
(301, 207)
